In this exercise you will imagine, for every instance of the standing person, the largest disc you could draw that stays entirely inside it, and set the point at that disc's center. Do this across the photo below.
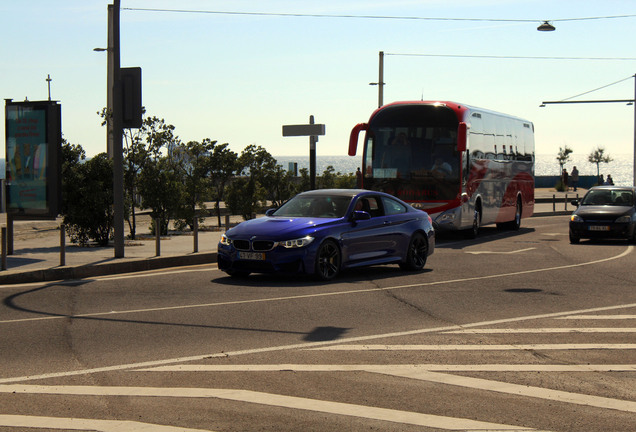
(601, 180)
(564, 179)
(609, 181)
(575, 178)
(358, 178)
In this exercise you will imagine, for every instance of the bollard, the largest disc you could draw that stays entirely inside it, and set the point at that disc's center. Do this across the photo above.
(4, 248)
(62, 245)
(195, 233)
(227, 222)
(566, 201)
(553, 203)
(157, 237)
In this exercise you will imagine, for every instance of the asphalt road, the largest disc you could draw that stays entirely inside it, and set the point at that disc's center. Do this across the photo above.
(513, 331)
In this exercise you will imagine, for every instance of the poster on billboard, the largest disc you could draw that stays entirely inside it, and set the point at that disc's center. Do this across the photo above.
(33, 143)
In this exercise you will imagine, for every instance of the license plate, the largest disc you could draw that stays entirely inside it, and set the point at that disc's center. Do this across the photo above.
(251, 255)
(599, 228)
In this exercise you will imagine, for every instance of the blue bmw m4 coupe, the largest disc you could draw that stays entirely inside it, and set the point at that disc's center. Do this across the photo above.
(321, 232)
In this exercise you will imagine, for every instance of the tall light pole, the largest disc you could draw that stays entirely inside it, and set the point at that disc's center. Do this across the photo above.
(627, 101)
(380, 82)
(115, 146)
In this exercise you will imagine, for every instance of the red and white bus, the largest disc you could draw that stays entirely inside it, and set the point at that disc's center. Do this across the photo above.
(465, 166)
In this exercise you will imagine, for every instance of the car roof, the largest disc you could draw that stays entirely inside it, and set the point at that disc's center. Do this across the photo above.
(337, 192)
(614, 187)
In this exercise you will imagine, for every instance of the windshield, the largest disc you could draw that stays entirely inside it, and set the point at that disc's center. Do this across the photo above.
(319, 206)
(616, 197)
(411, 152)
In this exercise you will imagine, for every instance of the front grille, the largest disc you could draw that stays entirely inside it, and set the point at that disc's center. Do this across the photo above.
(243, 245)
(256, 245)
(262, 245)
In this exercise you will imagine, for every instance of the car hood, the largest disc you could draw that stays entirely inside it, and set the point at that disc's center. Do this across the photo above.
(602, 211)
(279, 227)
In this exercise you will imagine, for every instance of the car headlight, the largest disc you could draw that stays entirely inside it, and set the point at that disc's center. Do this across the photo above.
(624, 219)
(297, 243)
(576, 218)
(225, 240)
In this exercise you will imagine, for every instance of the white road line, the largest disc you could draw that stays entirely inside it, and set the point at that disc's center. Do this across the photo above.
(469, 347)
(598, 317)
(306, 345)
(520, 390)
(39, 422)
(546, 330)
(330, 294)
(337, 408)
(393, 367)
(499, 253)
(148, 273)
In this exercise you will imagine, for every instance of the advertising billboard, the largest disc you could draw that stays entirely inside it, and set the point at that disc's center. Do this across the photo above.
(33, 148)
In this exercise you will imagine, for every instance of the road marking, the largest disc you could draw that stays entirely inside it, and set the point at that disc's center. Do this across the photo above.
(39, 422)
(499, 253)
(598, 317)
(545, 330)
(147, 273)
(337, 408)
(468, 347)
(393, 367)
(329, 294)
(520, 390)
(304, 345)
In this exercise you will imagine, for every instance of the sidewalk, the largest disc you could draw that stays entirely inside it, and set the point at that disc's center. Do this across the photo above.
(37, 257)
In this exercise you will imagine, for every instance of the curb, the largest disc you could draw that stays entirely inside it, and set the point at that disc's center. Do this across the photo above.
(92, 270)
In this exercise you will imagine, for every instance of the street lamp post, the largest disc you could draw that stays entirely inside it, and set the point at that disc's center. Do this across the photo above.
(115, 146)
(380, 82)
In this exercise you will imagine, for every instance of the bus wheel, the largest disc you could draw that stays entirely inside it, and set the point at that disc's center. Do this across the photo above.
(472, 232)
(514, 224)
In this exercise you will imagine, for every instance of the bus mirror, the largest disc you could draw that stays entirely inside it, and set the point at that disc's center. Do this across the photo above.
(353, 138)
(462, 135)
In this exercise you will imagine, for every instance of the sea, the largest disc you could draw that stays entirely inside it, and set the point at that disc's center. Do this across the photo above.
(620, 168)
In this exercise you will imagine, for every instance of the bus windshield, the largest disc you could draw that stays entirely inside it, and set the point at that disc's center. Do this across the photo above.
(413, 154)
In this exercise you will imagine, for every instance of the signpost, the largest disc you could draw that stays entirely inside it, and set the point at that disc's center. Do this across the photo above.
(312, 130)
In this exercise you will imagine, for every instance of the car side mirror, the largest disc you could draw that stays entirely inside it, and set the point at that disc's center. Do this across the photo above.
(575, 203)
(360, 215)
(270, 212)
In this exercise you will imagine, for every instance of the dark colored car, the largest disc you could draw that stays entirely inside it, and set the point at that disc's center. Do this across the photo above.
(323, 231)
(605, 212)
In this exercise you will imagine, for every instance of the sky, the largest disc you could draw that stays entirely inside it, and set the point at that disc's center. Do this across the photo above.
(237, 78)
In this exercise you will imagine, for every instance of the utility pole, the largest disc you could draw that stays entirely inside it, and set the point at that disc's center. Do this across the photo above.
(116, 121)
(48, 81)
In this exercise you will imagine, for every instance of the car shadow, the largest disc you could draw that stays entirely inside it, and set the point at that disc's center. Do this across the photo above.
(361, 274)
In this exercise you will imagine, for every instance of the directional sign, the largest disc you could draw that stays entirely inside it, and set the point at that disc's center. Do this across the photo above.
(304, 130)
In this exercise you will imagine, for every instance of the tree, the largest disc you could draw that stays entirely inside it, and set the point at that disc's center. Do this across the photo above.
(563, 156)
(223, 164)
(598, 157)
(88, 197)
(193, 161)
(159, 183)
(247, 193)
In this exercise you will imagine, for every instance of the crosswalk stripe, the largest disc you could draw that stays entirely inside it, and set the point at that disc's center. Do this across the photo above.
(392, 367)
(469, 347)
(23, 421)
(338, 408)
(546, 330)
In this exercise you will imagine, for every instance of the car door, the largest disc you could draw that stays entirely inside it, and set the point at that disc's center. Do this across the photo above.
(372, 240)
